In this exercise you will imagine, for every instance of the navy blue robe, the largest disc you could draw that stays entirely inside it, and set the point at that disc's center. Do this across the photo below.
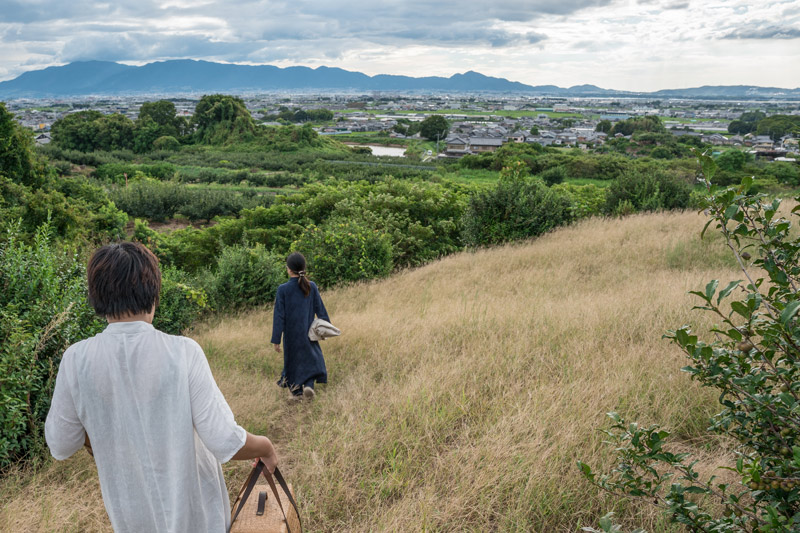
(302, 358)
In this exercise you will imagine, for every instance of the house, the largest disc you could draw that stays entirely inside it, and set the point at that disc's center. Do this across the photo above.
(484, 144)
(456, 144)
(716, 139)
(516, 137)
(43, 138)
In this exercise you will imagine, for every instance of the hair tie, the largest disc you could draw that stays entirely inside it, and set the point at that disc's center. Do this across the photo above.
(301, 273)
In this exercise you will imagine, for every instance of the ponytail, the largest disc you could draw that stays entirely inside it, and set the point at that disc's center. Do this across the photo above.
(297, 264)
(302, 281)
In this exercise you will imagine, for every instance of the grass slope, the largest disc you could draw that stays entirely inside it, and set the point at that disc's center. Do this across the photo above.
(461, 393)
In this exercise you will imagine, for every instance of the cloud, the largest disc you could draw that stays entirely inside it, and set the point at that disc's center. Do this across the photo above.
(672, 4)
(764, 31)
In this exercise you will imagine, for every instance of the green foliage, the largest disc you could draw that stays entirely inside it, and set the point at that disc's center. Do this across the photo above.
(221, 119)
(777, 126)
(246, 277)
(43, 310)
(115, 172)
(87, 131)
(435, 127)
(633, 125)
(342, 251)
(649, 190)
(145, 134)
(587, 200)
(788, 173)
(180, 302)
(515, 208)
(747, 122)
(733, 160)
(17, 159)
(164, 114)
(754, 363)
(166, 142)
(159, 201)
(302, 115)
(604, 126)
(554, 175)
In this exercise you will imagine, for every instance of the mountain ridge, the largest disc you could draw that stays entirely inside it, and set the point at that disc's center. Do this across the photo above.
(84, 78)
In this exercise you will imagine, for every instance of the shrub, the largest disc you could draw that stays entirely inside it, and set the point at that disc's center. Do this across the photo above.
(587, 200)
(43, 309)
(166, 142)
(754, 363)
(514, 209)
(649, 190)
(115, 172)
(554, 175)
(246, 277)
(342, 251)
(181, 302)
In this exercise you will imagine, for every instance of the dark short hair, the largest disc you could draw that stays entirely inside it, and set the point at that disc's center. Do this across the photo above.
(124, 279)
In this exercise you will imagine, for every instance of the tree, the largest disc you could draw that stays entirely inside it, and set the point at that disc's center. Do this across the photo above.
(17, 159)
(534, 130)
(114, 132)
(733, 160)
(144, 134)
(638, 124)
(604, 126)
(434, 128)
(220, 118)
(162, 113)
(77, 131)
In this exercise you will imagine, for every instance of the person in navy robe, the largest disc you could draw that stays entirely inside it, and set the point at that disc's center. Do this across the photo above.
(297, 303)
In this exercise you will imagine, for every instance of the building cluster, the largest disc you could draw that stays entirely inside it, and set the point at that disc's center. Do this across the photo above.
(546, 121)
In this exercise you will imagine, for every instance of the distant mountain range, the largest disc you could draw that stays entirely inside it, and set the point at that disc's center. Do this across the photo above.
(189, 76)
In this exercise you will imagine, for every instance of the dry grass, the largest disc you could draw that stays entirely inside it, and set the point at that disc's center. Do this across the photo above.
(462, 393)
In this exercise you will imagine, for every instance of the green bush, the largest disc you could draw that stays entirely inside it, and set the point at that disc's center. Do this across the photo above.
(514, 209)
(115, 172)
(587, 200)
(166, 142)
(342, 251)
(43, 309)
(246, 277)
(181, 302)
(554, 175)
(649, 190)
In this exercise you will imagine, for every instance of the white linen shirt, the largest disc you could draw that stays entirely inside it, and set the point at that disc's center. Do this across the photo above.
(158, 424)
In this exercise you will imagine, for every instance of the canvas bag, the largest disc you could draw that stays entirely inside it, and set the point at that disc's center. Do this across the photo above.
(322, 329)
(265, 513)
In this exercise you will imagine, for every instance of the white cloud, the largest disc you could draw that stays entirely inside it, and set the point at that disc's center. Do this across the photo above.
(622, 44)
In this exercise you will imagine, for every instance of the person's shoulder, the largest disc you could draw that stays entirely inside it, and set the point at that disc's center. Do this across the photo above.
(78, 348)
(313, 285)
(179, 340)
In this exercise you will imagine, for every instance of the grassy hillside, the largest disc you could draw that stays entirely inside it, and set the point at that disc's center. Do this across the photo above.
(462, 393)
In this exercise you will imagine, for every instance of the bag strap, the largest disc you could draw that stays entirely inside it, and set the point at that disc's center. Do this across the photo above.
(247, 488)
(285, 487)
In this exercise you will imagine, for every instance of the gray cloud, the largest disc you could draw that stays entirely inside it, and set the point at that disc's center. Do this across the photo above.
(671, 4)
(129, 30)
(764, 31)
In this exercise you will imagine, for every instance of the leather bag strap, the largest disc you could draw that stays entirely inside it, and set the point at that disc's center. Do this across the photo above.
(247, 488)
(285, 487)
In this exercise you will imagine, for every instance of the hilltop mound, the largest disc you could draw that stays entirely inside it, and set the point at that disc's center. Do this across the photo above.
(462, 393)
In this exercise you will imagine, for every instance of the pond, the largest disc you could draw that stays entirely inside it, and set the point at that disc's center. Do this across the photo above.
(392, 151)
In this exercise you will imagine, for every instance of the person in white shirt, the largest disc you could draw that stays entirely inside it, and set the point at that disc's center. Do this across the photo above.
(147, 407)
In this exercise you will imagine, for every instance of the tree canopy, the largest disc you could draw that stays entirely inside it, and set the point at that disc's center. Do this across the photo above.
(434, 128)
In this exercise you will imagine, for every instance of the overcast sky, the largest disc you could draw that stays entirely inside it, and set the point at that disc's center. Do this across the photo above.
(616, 44)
